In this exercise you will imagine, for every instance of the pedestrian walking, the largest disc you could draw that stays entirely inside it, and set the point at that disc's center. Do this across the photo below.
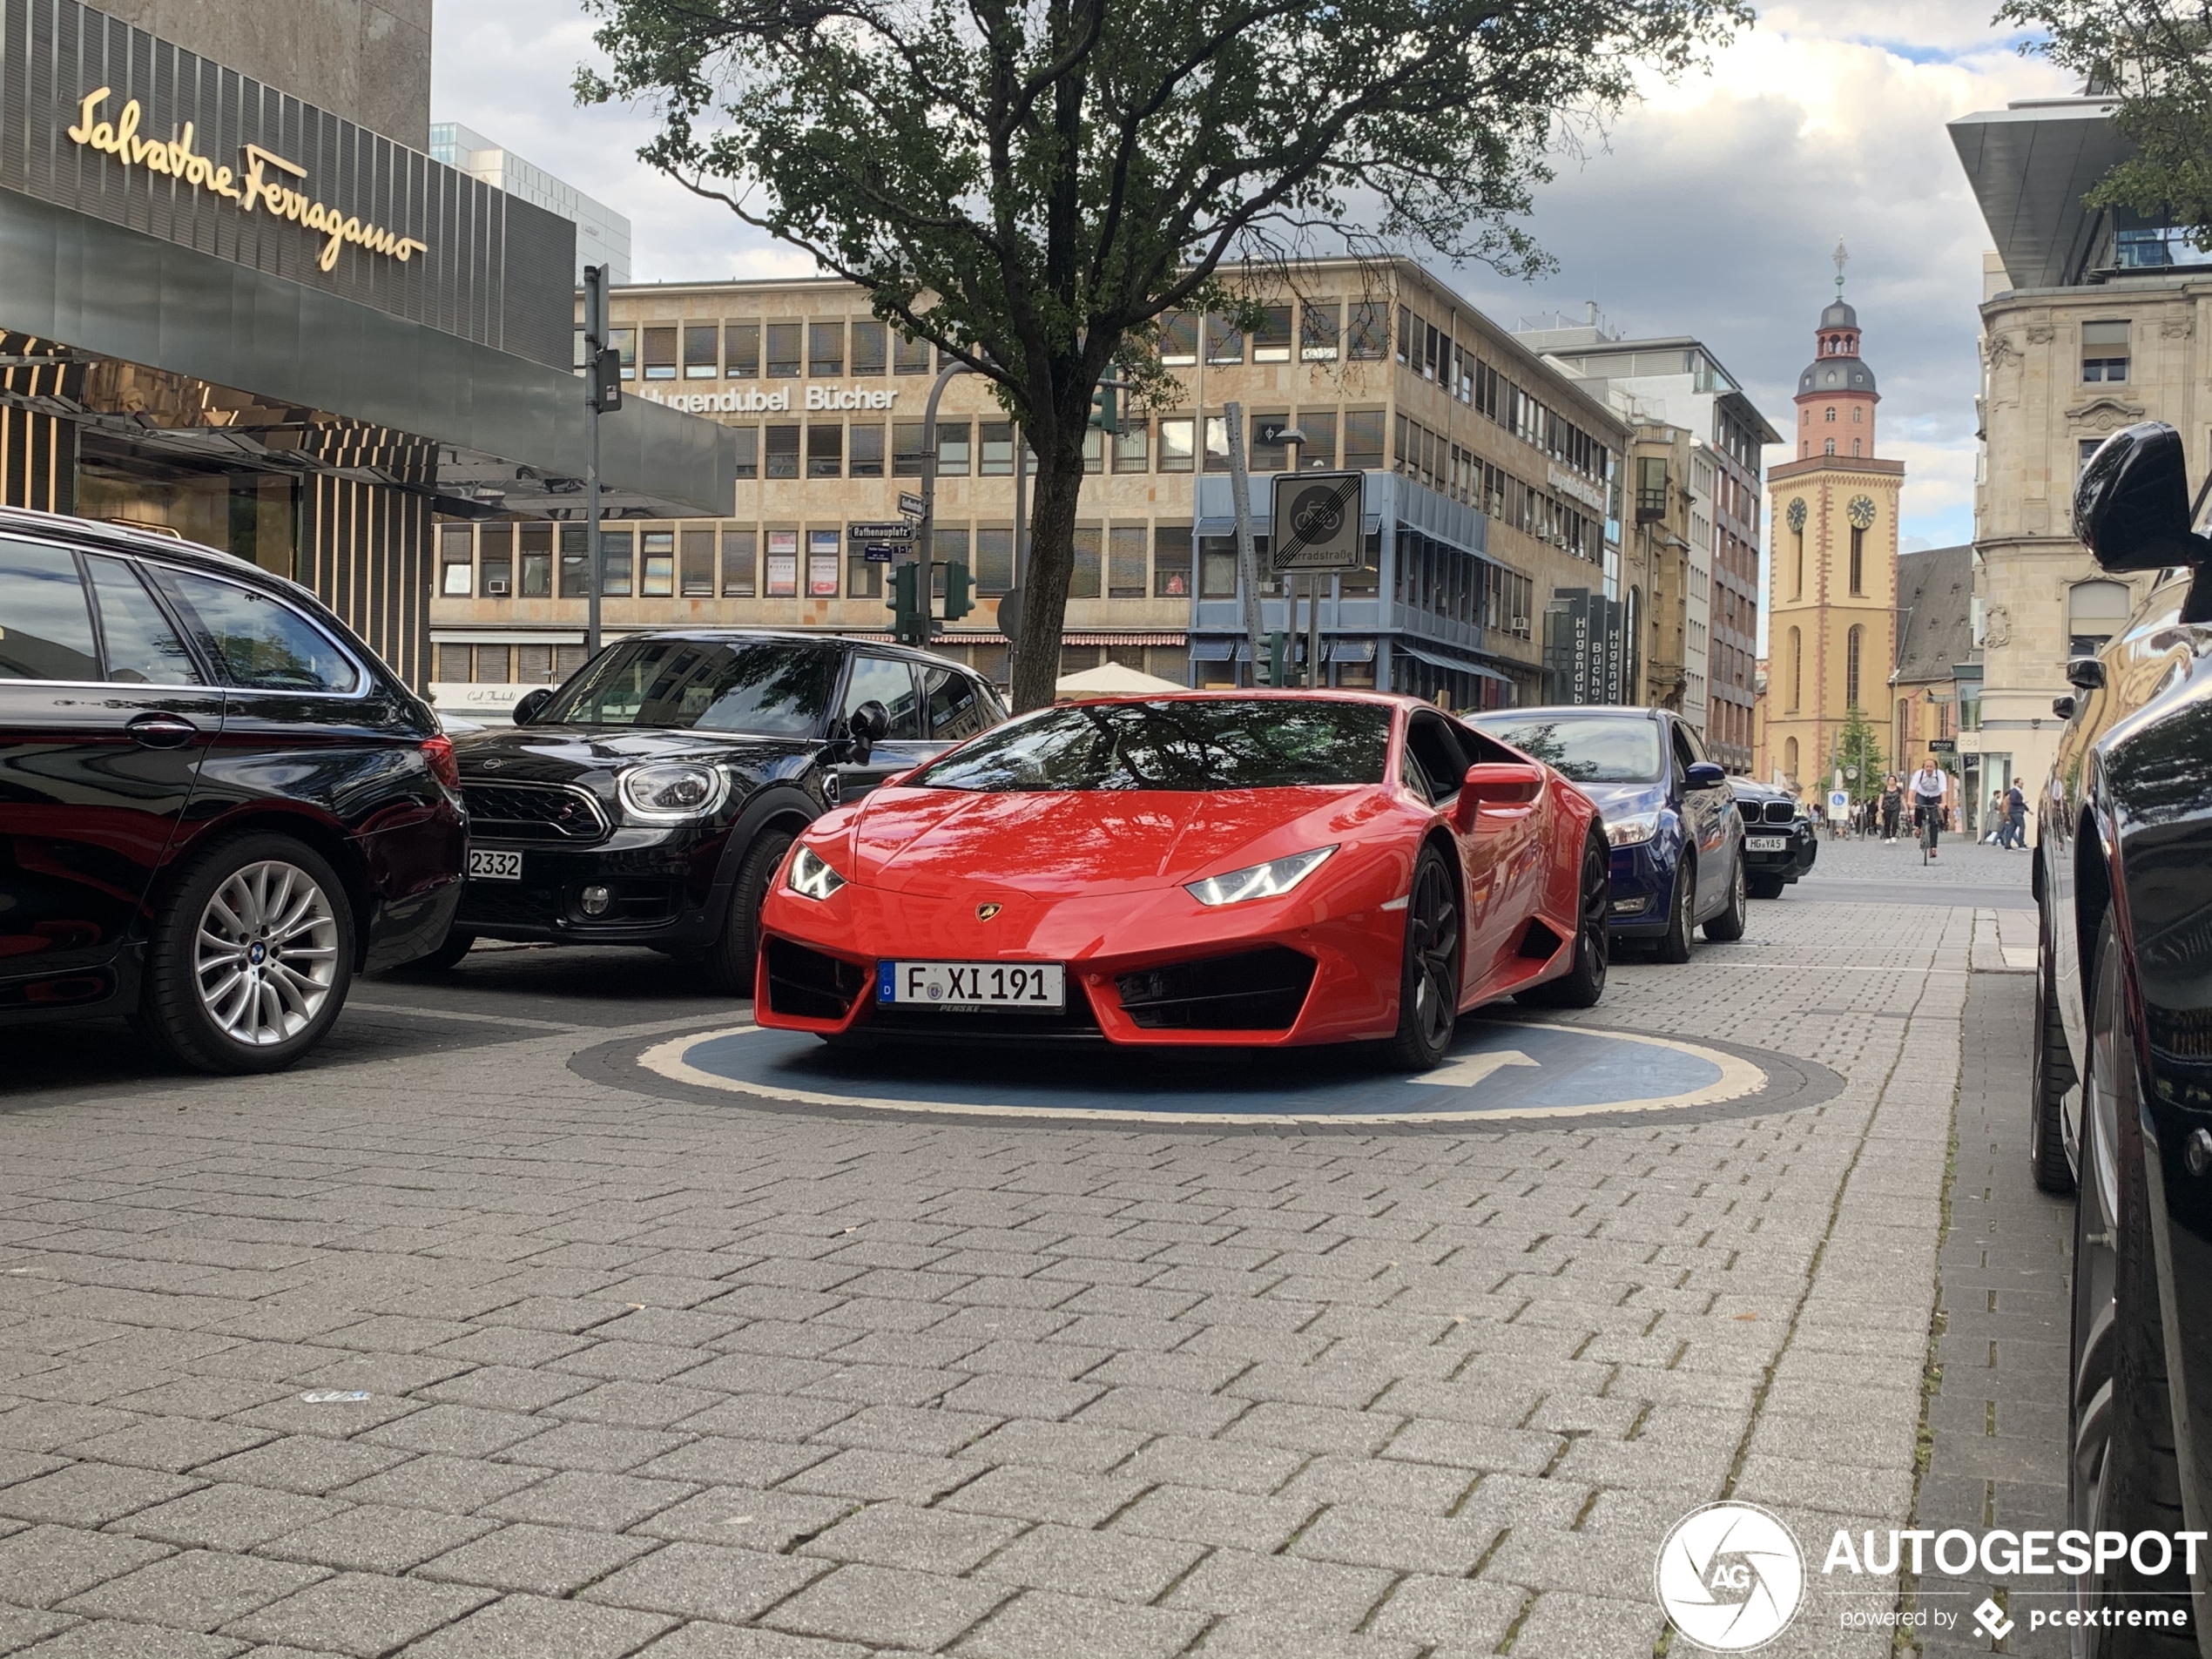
(1996, 836)
(2016, 817)
(1892, 806)
(1929, 785)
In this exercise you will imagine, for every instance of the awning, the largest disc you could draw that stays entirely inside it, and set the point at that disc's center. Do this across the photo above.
(1348, 650)
(1456, 665)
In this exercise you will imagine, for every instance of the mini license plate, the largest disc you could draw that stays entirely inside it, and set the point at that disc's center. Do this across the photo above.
(1766, 844)
(485, 865)
(1041, 985)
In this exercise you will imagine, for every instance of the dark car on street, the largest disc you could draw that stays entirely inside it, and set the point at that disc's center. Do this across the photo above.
(217, 806)
(1677, 839)
(1779, 841)
(651, 800)
(2122, 1077)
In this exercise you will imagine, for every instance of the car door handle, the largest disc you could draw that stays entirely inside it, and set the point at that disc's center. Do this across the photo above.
(159, 730)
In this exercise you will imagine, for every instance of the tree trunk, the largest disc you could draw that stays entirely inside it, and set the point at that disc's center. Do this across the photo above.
(1052, 563)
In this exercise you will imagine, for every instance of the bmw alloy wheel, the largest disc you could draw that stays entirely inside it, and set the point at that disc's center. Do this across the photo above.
(266, 953)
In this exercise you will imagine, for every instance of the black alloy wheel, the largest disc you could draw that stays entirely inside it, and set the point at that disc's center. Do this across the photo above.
(1428, 994)
(732, 958)
(2053, 1076)
(2123, 1474)
(1583, 985)
(1674, 944)
(1728, 926)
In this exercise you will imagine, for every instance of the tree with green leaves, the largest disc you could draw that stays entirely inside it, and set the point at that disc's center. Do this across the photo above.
(1030, 186)
(1858, 745)
(2154, 58)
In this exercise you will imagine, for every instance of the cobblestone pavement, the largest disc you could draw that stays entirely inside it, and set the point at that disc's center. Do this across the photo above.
(1872, 872)
(645, 1375)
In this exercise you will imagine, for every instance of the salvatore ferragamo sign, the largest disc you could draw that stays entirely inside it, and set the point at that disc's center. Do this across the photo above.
(266, 185)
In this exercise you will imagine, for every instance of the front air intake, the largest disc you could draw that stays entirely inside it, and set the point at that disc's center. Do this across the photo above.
(807, 985)
(1254, 990)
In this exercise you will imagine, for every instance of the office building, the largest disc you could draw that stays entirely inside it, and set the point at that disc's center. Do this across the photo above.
(602, 234)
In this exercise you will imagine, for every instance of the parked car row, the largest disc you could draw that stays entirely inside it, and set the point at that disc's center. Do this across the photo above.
(2121, 1083)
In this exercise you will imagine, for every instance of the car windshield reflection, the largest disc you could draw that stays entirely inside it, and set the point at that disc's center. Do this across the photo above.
(1174, 744)
(766, 690)
(1589, 750)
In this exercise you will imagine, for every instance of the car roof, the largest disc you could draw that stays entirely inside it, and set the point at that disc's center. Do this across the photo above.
(1244, 694)
(1580, 710)
(109, 537)
(792, 636)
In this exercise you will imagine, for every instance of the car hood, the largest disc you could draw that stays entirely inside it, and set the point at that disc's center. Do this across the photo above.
(937, 841)
(1625, 801)
(571, 755)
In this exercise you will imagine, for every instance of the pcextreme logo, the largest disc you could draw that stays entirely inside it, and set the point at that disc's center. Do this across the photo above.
(1731, 1576)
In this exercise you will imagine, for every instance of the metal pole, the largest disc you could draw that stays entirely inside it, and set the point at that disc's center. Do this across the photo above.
(1317, 583)
(1240, 493)
(1021, 532)
(595, 331)
(926, 533)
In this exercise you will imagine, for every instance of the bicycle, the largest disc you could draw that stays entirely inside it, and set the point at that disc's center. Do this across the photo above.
(1931, 819)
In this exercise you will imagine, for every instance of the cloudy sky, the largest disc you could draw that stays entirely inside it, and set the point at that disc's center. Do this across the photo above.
(1711, 210)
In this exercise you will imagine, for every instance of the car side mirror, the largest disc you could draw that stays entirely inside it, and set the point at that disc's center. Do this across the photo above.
(860, 730)
(2132, 507)
(1497, 783)
(2086, 674)
(528, 707)
(1703, 774)
(2063, 707)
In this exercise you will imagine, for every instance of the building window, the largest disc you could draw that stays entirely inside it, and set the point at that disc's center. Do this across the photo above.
(863, 576)
(1852, 642)
(748, 450)
(741, 351)
(1216, 443)
(783, 451)
(1854, 446)
(701, 346)
(739, 548)
(866, 444)
(869, 338)
(1368, 336)
(1857, 413)
(1271, 344)
(1125, 573)
(1172, 561)
(576, 562)
(534, 664)
(1178, 438)
(1831, 415)
(659, 572)
(615, 550)
(1178, 339)
(1796, 670)
(696, 577)
(1133, 447)
(456, 555)
(1224, 341)
(825, 450)
(537, 561)
(993, 558)
(1857, 560)
(783, 340)
(1094, 450)
(624, 342)
(821, 564)
(1216, 568)
(994, 446)
(825, 348)
(2095, 613)
(1832, 447)
(495, 578)
(1319, 452)
(1268, 452)
(493, 665)
(1082, 582)
(2104, 351)
(2085, 449)
(1790, 761)
(660, 353)
(910, 356)
(952, 449)
(1318, 322)
(1362, 439)
(783, 564)
(906, 448)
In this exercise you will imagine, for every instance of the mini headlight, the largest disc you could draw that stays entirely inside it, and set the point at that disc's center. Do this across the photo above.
(810, 877)
(1268, 881)
(670, 792)
(1632, 831)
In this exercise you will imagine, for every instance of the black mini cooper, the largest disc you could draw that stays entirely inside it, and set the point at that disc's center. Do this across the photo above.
(649, 800)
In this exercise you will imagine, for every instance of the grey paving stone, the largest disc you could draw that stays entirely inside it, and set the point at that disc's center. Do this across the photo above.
(197, 1590)
(1067, 1627)
(442, 1483)
(700, 1581)
(600, 1448)
(722, 1461)
(21, 1627)
(41, 1565)
(358, 1614)
(530, 1626)
(702, 1641)
(174, 1444)
(871, 1476)
(1238, 1581)
(111, 1639)
(91, 1494)
(1364, 1535)
(1046, 1494)
(303, 1463)
(544, 1560)
(456, 1431)
(378, 1538)
(228, 1517)
(885, 1608)
(926, 1540)
(1206, 1516)
(602, 1502)
(1464, 1615)
(1120, 1565)
(747, 1519)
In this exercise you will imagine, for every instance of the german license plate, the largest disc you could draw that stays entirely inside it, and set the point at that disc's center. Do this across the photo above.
(1041, 985)
(1766, 844)
(485, 865)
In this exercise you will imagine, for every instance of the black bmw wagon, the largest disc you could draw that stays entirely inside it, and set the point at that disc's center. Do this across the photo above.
(217, 806)
(650, 799)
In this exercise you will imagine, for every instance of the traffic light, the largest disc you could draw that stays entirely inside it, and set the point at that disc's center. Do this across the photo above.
(606, 379)
(1105, 410)
(1277, 647)
(959, 591)
(909, 624)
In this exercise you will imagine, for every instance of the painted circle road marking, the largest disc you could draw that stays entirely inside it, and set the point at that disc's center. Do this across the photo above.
(1499, 1072)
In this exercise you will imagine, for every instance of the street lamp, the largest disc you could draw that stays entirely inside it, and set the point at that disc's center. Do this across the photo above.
(1294, 439)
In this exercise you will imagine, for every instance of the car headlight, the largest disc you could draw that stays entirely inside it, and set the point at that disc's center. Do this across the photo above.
(670, 792)
(1268, 881)
(1634, 830)
(810, 877)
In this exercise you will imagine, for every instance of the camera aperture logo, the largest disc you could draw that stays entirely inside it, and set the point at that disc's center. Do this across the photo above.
(1731, 1576)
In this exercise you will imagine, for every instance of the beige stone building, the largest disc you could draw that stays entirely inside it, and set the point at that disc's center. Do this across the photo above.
(1492, 483)
(1832, 604)
(2090, 321)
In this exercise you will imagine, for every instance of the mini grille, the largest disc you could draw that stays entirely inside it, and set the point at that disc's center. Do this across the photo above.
(533, 812)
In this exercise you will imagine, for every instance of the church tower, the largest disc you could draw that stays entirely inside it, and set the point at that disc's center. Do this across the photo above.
(1832, 513)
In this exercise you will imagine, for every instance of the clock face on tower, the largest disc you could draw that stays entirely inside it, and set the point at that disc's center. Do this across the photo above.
(1798, 514)
(1861, 511)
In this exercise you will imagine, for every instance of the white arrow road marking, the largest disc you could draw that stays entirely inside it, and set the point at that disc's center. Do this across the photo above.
(1469, 1069)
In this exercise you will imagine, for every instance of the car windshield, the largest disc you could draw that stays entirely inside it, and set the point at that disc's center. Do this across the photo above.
(1588, 749)
(1231, 743)
(768, 688)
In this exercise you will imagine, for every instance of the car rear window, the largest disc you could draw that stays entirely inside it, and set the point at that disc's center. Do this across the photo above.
(1174, 743)
(761, 687)
(1590, 749)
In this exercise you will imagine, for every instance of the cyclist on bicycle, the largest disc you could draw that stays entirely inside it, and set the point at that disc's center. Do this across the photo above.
(1929, 785)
